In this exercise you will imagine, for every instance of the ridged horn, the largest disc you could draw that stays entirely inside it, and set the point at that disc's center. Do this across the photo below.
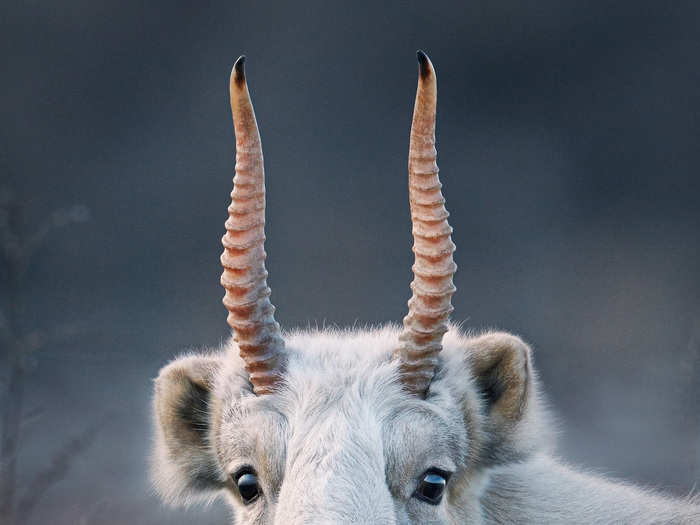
(431, 304)
(247, 299)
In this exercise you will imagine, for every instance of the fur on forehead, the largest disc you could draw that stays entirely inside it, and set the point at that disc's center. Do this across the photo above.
(349, 370)
(360, 360)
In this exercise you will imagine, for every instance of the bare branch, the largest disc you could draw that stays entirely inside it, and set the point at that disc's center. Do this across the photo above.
(33, 415)
(5, 460)
(58, 219)
(94, 511)
(4, 329)
(17, 252)
(9, 241)
(38, 338)
(57, 470)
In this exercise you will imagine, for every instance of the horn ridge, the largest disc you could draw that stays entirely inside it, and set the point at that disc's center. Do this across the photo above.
(251, 314)
(432, 288)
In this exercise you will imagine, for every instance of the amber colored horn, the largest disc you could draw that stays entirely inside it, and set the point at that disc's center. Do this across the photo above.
(251, 314)
(430, 306)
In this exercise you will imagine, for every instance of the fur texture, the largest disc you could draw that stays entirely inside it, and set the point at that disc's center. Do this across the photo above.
(341, 441)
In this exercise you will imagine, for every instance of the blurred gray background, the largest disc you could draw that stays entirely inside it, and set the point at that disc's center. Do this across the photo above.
(568, 140)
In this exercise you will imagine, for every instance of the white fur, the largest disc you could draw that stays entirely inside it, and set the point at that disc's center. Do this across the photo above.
(342, 442)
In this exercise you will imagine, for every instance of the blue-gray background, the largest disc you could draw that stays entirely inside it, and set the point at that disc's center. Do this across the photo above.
(568, 139)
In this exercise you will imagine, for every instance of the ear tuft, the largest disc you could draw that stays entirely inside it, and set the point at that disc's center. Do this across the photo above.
(184, 465)
(501, 365)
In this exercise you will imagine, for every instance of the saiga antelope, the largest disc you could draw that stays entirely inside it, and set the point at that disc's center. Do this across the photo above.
(420, 425)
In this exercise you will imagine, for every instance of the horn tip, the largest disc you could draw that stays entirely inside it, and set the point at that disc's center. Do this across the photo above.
(425, 67)
(238, 73)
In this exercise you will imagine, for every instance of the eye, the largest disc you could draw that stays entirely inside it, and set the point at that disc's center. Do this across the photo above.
(247, 485)
(432, 486)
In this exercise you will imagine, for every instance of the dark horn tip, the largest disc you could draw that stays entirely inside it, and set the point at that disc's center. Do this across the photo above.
(423, 63)
(239, 69)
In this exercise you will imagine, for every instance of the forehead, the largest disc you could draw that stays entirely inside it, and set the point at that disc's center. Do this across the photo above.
(342, 389)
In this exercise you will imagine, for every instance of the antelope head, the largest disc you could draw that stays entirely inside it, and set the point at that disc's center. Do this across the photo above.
(390, 425)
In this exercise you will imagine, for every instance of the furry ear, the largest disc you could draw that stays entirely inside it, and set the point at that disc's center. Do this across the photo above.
(184, 465)
(501, 366)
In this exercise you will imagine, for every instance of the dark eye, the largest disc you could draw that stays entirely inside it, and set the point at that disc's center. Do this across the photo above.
(247, 485)
(432, 486)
